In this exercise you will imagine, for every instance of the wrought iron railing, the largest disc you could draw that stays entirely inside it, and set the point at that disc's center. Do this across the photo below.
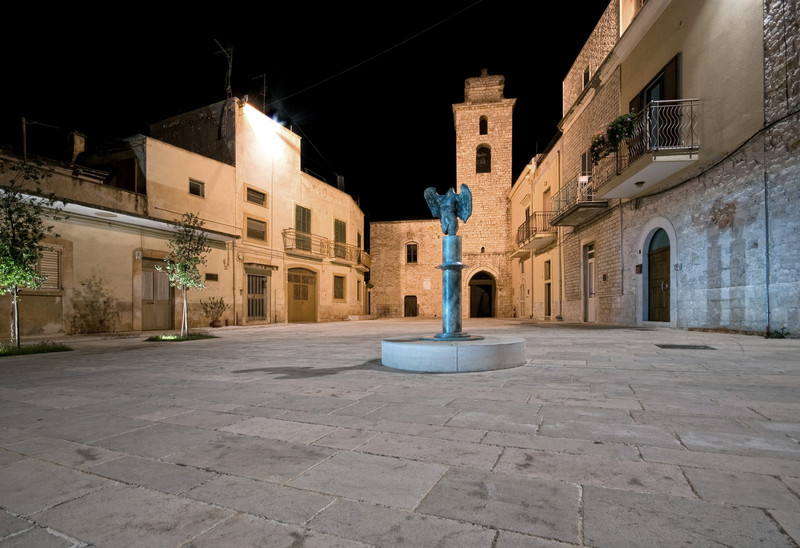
(666, 127)
(294, 240)
(579, 189)
(312, 244)
(537, 223)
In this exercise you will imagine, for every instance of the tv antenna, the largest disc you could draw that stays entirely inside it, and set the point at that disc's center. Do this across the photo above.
(229, 54)
(263, 92)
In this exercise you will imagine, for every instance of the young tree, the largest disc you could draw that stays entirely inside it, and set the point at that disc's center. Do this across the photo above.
(186, 248)
(22, 229)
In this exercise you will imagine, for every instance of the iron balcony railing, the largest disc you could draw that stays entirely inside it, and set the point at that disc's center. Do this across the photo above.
(579, 190)
(319, 246)
(537, 223)
(662, 128)
(294, 240)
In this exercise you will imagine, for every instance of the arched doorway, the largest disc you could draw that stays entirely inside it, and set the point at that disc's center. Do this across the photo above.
(302, 295)
(658, 275)
(482, 288)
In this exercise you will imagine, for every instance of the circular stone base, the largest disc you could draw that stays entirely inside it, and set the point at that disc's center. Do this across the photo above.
(435, 356)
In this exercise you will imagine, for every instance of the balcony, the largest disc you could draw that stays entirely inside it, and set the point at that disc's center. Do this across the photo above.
(665, 141)
(576, 202)
(536, 232)
(319, 247)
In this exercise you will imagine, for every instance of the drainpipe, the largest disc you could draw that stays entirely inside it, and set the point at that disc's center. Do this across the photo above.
(560, 254)
(766, 234)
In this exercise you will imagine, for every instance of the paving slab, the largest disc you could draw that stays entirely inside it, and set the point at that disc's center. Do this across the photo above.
(268, 500)
(539, 507)
(248, 530)
(650, 520)
(30, 485)
(372, 478)
(743, 489)
(592, 470)
(284, 435)
(381, 526)
(152, 473)
(258, 458)
(122, 515)
(455, 453)
(286, 430)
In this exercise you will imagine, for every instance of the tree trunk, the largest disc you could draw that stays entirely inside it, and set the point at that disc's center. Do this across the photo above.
(184, 320)
(15, 327)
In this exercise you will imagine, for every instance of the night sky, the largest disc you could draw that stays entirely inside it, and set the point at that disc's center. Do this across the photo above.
(369, 87)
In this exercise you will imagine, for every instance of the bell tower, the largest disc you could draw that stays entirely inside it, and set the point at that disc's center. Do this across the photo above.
(483, 124)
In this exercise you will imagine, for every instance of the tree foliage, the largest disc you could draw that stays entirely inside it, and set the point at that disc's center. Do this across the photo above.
(23, 210)
(186, 251)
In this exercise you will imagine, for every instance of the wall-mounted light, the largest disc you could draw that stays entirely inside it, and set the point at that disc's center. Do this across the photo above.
(639, 183)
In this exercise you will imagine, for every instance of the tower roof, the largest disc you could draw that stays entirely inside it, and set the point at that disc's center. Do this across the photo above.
(485, 88)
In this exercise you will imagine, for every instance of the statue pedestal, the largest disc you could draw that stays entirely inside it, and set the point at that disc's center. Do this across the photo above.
(451, 268)
(452, 351)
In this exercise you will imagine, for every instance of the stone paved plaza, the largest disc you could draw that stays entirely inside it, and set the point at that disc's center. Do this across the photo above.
(295, 435)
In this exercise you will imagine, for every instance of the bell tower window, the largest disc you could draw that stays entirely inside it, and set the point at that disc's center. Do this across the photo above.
(483, 160)
(483, 125)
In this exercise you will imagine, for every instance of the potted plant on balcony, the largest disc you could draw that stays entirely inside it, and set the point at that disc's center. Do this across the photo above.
(214, 308)
(606, 141)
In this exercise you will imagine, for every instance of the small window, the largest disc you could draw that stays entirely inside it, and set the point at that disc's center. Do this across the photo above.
(197, 188)
(256, 230)
(256, 197)
(212, 277)
(338, 288)
(411, 253)
(50, 265)
(586, 75)
(547, 270)
(483, 160)
(483, 125)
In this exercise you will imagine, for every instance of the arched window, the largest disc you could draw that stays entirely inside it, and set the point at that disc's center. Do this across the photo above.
(483, 125)
(483, 160)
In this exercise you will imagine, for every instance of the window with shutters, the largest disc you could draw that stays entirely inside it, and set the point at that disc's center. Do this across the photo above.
(256, 197)
(302, 227)
(340, 238)
(50, 265)
(256, 229)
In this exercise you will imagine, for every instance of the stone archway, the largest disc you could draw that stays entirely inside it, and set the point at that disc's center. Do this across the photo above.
(657, 249)
(482, 295)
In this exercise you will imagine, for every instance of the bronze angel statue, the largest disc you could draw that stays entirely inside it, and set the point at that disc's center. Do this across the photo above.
(450, 207)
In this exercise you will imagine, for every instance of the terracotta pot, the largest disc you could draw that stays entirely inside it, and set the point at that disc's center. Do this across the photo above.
(216, 323)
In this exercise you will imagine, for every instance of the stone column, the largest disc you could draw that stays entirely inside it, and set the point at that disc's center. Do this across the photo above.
(451, 268)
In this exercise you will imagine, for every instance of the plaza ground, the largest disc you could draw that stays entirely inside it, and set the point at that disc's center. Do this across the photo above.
(295, 435)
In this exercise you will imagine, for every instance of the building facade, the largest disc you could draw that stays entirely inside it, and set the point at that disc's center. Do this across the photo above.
(665, 199)
(285, 246)
(405, 253)
(685, 223)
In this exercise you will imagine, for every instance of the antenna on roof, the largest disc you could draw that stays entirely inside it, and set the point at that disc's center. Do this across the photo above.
(263, 92)
(229, 54)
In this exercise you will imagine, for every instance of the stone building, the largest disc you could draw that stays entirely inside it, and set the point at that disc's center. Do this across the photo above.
(405, 253)
(688, 222)
(285, 246)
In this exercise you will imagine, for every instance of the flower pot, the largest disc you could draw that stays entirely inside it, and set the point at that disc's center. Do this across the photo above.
(216, 323)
